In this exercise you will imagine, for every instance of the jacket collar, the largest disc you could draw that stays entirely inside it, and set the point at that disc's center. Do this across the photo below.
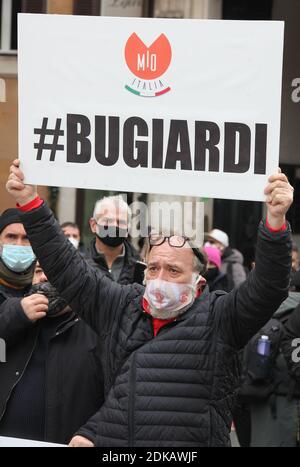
(130, 254)
(70, 320)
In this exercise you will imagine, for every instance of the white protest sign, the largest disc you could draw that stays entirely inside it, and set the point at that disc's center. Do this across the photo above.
(26, 443)
(185, 107)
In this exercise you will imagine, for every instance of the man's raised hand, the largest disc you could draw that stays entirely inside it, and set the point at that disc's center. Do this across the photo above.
(279, 197)
(16, 187)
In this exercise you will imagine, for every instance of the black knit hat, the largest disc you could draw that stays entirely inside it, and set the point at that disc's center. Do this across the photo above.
(10, 216)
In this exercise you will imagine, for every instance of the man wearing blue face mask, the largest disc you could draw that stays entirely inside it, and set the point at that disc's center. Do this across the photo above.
(17, 260)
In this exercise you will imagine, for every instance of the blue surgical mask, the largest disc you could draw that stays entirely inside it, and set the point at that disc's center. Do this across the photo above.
(17, 258)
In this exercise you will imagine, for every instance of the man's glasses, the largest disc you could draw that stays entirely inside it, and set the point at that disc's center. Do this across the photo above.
(176, 241)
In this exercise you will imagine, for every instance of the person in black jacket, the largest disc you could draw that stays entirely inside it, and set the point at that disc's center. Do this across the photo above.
(110, 251)
(291, 352)
(17, 260)
(170, 351)
(267, 392)
(52, 357)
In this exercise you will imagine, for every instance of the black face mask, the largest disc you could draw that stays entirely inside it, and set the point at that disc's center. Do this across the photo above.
(111, 236)
(56, 303)
(211, 274)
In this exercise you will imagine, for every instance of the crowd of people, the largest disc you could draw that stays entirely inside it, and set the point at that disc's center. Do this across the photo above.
(100, 354)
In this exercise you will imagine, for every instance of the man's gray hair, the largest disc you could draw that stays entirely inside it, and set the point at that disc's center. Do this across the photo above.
(117, 201)
(198, 267)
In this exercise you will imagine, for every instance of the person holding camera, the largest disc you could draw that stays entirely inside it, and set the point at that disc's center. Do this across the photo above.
(52, 356)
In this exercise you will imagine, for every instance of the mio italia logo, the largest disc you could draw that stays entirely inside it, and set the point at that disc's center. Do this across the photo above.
(148, 65)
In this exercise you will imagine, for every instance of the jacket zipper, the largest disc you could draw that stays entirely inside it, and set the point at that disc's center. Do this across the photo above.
(46, 396)
(131, 402)
(166, 327)
(65, 326)
(24, 369)
(21, 376)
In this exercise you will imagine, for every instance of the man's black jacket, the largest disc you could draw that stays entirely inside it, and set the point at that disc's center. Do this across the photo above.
(130, 258)
(74, 378)
(176, 389)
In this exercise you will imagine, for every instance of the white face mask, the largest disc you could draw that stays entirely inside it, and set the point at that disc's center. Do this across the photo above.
(168, 300)
(74, 241)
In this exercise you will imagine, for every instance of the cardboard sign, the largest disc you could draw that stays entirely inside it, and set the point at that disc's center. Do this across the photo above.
(185, 107)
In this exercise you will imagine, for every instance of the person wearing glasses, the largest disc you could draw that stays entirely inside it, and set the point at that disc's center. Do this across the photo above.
(170, 349)
(110, 250)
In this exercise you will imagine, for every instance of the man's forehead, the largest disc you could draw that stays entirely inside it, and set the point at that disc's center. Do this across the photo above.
(213, 240)
(14, 229)
(112, 210)
(167, 252)
(70, 229)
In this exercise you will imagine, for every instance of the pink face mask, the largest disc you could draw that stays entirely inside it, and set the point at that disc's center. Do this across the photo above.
(209, 244)
(169, 299)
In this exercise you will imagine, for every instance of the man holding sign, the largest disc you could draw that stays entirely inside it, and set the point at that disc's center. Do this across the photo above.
(169, 349)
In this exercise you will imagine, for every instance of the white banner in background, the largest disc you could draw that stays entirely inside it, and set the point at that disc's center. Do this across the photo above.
(185, 107)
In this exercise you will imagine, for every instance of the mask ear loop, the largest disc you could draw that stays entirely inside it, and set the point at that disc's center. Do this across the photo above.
(202, 281)
(145, 280)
